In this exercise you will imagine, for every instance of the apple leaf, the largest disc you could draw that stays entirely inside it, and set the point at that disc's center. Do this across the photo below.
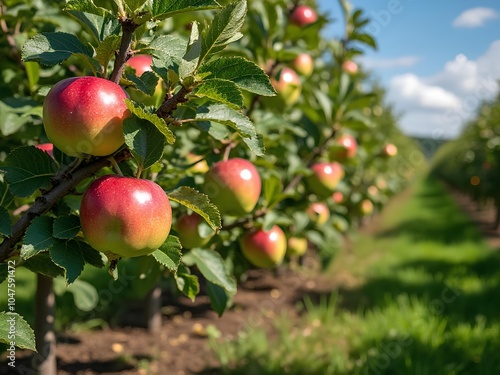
(219, 298)
(85, 6)
(244, 73)
(5, 222)
(6, 198)
(28, 169)
(167, 52)
(38, 237)
(66, 227)
(42, 263)
(169, 254)
(69, 258)
(190, 61)
(90, 255)
(273, 188)
(224, 29)
(53, 48)
(13, 328)
(224, 115)
(144, 140)
(160, 123)
(166, 8)
(107, 49)
(212, 266)
(146, 82)
(99, 26)
(199, 203)
(188, 284)
(222, 91)
(84, 294)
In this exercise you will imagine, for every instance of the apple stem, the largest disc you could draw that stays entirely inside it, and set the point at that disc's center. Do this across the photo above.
(115, 165)
(139, 171)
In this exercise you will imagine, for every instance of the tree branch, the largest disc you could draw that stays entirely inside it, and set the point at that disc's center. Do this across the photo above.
(128, 28)
(171, 103)
(241, 222)
(62, 184)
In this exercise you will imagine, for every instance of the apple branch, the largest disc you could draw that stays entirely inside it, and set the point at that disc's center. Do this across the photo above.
(62, 184)
(243, 221)
(128, 28)
(172, 102)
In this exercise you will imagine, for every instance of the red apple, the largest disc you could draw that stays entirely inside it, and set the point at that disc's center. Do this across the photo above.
(344, 148)
(84, 115)
(366, 207)
(297, 246)
(264, 249)
(47, 147)
(350, 67)
(338, 197)
(325, 178)
(390, 150)
(318, 212)
(188, 229)
(141, 64)
(303, 64)
(124, 216)
(233, 186)
(287, 84)
(302, 16)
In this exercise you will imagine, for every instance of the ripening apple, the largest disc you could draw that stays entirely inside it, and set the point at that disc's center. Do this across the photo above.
(47, 147)
(297, 246)
(303, 15)
(303, 64)
(141, 64)
(84, 115)
(318, 212)
(233, 185)
(372, 190)
(264, 249)
(188, 229)
(338, 197)
(366, 207)
(390, 150)
(350, 67)
(345, 147)
(325, 178)
(124, 216)
(287, 84)
(201, 165)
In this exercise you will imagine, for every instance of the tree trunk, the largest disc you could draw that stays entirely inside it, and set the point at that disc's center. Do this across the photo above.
(153, 309)
(45, 359)
(497, 215)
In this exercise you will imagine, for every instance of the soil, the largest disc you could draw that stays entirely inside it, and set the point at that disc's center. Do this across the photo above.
(181, 346)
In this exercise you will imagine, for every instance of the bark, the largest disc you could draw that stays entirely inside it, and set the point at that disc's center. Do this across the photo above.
(45, 359)
(153, 309)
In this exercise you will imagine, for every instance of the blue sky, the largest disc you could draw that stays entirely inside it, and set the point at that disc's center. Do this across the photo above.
(437, 59)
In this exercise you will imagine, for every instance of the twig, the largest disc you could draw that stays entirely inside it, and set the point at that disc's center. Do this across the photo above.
(128, 28)
(241, 222)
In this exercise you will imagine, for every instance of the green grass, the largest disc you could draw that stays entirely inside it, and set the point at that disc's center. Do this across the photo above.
(425, 302)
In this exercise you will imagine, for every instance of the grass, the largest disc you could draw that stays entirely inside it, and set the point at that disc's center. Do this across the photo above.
(424, 301)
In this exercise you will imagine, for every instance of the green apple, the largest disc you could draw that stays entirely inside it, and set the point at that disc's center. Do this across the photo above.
(142, 64)
(199, 163)
(297, 246)
(303, 64)
(366, 207)
(233, 185)
(324, 178)
(84, 115)
(188, 229)
(264, 249)
(124, 216)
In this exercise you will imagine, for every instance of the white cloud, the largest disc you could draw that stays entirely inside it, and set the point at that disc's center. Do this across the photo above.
(475, 17)
(397, 62)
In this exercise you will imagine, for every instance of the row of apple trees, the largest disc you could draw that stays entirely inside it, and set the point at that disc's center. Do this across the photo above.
(471, 162)
(261, 130)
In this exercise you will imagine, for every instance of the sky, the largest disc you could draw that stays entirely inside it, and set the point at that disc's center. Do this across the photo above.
(437, 59)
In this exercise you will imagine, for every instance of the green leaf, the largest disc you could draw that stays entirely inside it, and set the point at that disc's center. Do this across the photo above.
(90, 255)
(4, 272)
(199, 203)
(364, 38)
(166, 8)
(222, 91)
(69, 258)
(144, 140)
(169, 254)
(211, 265)
(106, 49)
(13, 328)
(33, 73)
(5, 222)
(219, 299)
(100, 27)
(38, 237)
(244, 73)
(224, 29)
(187, 284)
(84, 294)
(191, 59)
(146, 82)
(167, 52)
(224, 115)
(6, 198)
(66, 227)
(28, 169)
(160, 123)
(42, 263)
(85, 6)
(273, 188)
(55, 47)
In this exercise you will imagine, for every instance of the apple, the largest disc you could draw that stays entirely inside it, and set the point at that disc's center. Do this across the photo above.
(297, 246)
(325, 178)
(381, 183)
(390, 150)
(264, 249)
(318, 212)
(350, 67)
(125, 216)
(302, 16)
(47, 147)
(338, 197)
(188, 229)
(233, 185)
(84, 115)
(287, 84)
(201, 165)
(372, 190)
(366, 207)
(142, 64)
(345, 148)
(303, 64)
